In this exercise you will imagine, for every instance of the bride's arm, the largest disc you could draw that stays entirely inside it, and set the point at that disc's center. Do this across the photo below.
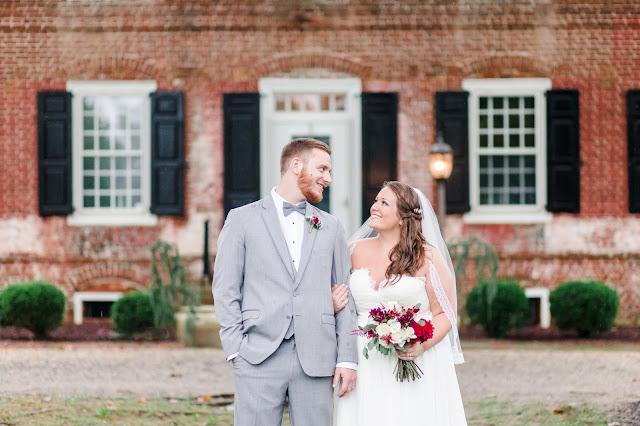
(340, 293)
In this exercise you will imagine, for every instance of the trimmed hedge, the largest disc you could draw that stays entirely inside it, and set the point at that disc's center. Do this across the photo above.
(132, 313)
(37, 306)
(589, 307)
(509, 306)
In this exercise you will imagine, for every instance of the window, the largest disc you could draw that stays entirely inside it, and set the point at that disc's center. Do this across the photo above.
(111, 152)
(507, 150)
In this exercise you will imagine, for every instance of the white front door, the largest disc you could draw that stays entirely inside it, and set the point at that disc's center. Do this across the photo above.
(328, 110)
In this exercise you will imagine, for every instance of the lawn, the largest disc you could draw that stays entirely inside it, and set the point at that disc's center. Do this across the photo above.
(204, 411)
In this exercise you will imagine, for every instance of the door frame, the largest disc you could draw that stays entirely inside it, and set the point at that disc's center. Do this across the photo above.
(352, 88)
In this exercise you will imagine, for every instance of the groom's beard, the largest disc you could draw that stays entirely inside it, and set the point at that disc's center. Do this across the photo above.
(309, 187)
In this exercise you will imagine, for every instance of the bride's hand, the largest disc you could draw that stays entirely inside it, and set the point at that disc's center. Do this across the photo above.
(339, 294)
(413, 351)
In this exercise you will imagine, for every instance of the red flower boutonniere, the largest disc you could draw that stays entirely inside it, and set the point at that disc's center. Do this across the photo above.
(314, 222)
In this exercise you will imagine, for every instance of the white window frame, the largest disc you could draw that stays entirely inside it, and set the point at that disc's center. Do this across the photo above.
(79, 297)
(541, 293)
(140, 216)
(515, 214)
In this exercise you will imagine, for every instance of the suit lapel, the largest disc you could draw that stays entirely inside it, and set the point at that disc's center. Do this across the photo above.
(308, 241)
(272, 223)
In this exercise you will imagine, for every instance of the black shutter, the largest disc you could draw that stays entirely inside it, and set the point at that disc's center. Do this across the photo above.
(241, 149)
(167, 153)
(563, 151)
(54, 153)
(452, 119)
(633, 139)
(379, 144)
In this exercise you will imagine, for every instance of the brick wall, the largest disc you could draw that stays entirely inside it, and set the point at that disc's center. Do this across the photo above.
(413, 47)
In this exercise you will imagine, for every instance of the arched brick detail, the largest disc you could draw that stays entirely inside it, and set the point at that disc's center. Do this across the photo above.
(506, 66)
(114, 66)
(95, 274)
(311, 59)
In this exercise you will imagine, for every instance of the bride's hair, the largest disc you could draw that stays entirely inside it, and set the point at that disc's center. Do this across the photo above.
(408, 256)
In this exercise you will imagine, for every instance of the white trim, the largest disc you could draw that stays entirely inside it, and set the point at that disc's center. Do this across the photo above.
(541, 293)
(79, 297)
(352, 88)
(516, 214)
(140, 216)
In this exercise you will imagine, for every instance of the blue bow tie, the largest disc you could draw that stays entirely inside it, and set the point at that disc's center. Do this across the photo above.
(288, 208)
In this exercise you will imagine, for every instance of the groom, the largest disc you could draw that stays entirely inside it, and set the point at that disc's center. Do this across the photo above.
(272, 289)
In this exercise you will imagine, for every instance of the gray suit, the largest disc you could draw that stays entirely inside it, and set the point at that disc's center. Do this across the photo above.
(259, 296)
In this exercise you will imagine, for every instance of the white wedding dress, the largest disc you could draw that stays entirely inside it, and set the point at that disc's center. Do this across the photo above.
(378, 399)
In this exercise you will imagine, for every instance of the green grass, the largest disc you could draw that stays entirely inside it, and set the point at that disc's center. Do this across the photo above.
(504, 413)
(95, 411)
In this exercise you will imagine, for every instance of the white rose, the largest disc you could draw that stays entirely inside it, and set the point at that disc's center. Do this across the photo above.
(409, 333)
(383, 329)
(397, 338)
(395, 326)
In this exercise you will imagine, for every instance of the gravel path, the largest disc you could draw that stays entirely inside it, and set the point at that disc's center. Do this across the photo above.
(601, 377)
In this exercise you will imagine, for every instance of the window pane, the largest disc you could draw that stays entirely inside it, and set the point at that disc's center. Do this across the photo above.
(340, 104)
(134, 118)
(120, 141)
(89, 182)
(296, 102)
(324, 102)
(484, 198)
(484, 161)
(498, 121)
(514, 121)
(483, 121)
(483, 103)
(135, 182)
(498, 161)
(529, 140)
(105, 163)
(87, 122)
(104, 142)
(498, 198)
(529, 161)
(498, 141)
(121, 201)
(135, 200)
(88, 201)
(498, 181)
(484, 141)
(514, 180)
(514, 161)
(529, 102)
(88, 143)
(121, 121)
(103, 122)
(529, 121)
(530, 198)
(498, 103)
(530, 180)
(514, 141)
(135, 163)
(280, 102)
(135, 142)
(105, 182)
(514, 198)
(484, 180)
(514, 103)
(121, 182)
(88, 163)
(88, 103)
(121, 163)
(105, 201)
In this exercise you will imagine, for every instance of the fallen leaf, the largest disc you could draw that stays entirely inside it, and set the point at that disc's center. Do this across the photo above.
(557, 411)
(175, 374)
(204, 398)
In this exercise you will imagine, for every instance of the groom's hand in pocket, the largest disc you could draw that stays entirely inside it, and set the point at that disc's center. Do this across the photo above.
(348, 377)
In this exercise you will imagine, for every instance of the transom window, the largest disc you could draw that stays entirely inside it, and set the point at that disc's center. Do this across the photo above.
(309, 102)
(111, 149)
(507, 147)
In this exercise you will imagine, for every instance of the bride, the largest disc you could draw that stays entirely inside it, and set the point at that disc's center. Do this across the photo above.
(400, 256)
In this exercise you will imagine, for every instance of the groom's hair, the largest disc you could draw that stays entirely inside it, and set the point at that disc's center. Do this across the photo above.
(300, 148)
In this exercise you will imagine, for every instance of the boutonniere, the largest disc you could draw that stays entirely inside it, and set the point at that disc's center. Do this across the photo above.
(314, 222)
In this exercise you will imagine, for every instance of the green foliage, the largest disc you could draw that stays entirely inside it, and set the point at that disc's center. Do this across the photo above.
(132, 313)
(37, 306)
(483, 255)
(589, 307)
(498, 306)
(169, 289)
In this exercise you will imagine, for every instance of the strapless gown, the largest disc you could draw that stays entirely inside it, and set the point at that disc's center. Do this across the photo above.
(378, 398)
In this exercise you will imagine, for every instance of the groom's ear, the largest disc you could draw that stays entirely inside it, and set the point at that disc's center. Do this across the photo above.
(296, 165)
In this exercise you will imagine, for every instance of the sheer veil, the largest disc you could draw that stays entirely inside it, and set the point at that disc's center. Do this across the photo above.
(445, 290)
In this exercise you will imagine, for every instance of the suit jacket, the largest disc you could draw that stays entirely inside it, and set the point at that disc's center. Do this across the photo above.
(258, 292)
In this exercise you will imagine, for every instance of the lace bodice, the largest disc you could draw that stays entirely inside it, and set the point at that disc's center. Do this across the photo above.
(407, 291)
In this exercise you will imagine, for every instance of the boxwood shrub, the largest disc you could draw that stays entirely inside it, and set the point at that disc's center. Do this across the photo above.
(37, 306)
(498, 307)
(132, 313)
(588, 307)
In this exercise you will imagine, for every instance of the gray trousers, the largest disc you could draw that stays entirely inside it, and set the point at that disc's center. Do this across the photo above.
(260, 391)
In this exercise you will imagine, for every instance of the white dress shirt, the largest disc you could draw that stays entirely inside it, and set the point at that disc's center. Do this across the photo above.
(293, 229)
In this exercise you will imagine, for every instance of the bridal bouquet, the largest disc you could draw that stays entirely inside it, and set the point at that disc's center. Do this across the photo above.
(390, 328)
